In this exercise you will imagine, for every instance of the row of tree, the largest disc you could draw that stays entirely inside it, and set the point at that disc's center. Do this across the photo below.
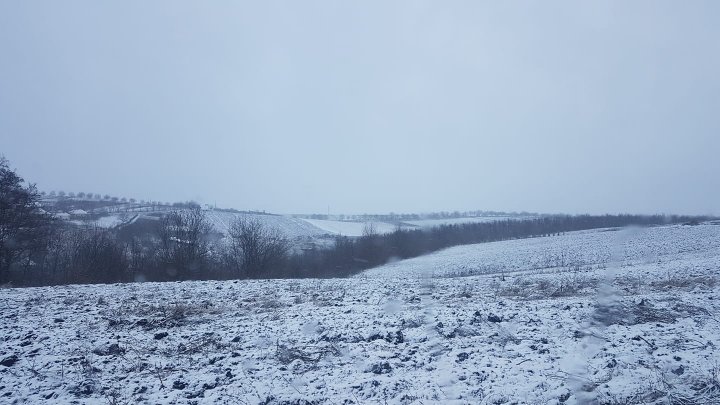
(36, 249)
(90, 197)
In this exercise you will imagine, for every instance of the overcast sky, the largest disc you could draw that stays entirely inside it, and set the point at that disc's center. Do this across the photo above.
(365, 106)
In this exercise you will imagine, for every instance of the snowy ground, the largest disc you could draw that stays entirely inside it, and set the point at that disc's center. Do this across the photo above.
(356, 228)
(293, 228)
(350, 228)
(612, 317)
(108, 221)
(660, 250)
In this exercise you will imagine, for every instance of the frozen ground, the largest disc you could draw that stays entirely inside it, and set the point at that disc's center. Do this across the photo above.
(355, 228)
(108, 221)
(658, 249)
(611, 317)
(350, 228)
(293, 228)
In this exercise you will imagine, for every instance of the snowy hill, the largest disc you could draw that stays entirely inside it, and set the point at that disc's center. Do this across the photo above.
(292, 228)
(350, 228)
(661, 248)
(114, 214)
(606, 316)
(356, 228)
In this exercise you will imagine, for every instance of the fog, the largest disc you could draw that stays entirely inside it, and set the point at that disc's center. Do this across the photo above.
(368, 106)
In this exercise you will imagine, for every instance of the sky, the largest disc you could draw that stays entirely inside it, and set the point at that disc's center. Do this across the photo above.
(368, 106)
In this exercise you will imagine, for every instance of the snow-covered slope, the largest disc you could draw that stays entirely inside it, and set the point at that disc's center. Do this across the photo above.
(630, 317)
(110, 214)
(355, 228)
(350, 228)
(660, 247)
(292, 228)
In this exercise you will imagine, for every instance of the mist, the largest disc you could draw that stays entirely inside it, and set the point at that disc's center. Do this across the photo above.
(368, 107)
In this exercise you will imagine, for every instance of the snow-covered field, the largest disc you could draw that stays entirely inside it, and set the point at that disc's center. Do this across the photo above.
(356, 228)
(350, 228)
(108, 221)
(610, 316)
(293, 228)
(657, 249)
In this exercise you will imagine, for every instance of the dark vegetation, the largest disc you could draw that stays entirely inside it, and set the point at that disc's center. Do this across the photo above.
(38, 249)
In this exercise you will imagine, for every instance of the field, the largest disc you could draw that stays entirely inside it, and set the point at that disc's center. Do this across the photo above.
(349, 228)
(607, 316)
(292, 228)
(356, 228)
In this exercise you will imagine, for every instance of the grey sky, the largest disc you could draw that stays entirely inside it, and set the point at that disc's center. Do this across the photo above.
(368, 106)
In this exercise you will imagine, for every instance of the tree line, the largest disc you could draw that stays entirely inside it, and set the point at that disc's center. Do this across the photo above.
(37, 249)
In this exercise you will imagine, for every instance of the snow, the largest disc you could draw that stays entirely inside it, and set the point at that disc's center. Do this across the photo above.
(109, 221)
(350, 228)
(608, 316)
(355, 228)
(661, 247)
(292, 228)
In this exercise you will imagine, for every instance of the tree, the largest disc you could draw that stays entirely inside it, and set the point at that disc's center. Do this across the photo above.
(370, 246)
(24, 226)
(98, 257)
(184, 238)
(256, 249)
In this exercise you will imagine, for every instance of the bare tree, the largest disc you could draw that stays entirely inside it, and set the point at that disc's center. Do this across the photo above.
(369, 230)
(98, 257)
(184, 238)
(370, 245)
(256, 249)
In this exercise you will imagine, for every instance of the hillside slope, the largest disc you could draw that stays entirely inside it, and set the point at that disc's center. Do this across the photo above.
(659, 247)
